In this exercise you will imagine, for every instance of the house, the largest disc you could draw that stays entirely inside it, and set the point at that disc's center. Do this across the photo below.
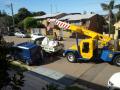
(91, 21)
(43, 20)
(53, 15)
(117, 30)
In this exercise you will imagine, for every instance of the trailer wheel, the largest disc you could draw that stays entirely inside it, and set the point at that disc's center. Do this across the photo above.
(14, 58)
(116, 60)
(28, 62)
(71, 57)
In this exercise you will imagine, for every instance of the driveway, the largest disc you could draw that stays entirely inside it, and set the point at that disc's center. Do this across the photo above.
(95, 73)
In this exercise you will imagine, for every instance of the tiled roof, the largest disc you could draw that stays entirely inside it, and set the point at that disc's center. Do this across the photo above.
(47, 16)
(77, 17)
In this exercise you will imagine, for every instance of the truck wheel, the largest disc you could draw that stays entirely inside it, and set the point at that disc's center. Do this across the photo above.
(14, 58)
(116, 60)
(71, 57)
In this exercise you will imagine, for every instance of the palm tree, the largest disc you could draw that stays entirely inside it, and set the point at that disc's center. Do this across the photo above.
(109, 7)
(118, 7)
(118, 14)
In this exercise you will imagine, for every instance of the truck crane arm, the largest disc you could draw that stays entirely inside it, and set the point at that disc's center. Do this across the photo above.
(88, 49)
(80, 29)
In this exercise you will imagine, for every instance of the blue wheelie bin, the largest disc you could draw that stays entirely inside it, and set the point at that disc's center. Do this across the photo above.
(28, 53)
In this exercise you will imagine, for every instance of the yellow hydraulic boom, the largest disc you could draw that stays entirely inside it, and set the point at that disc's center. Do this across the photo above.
(80, 29)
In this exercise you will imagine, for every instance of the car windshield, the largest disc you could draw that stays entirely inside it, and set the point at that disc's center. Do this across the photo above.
(37, 34)
(23, 32)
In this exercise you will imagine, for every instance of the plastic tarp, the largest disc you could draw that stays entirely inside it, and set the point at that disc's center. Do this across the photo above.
(50, 43)
(45, 41)
(53, 43)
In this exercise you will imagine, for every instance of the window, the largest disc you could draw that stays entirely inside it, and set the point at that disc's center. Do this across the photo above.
(85, 48)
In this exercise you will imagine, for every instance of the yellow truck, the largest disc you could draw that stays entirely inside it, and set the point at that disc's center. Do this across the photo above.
(88, 48)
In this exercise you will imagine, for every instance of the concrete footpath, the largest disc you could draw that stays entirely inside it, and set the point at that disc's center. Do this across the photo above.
(40, 77)
(53, 76)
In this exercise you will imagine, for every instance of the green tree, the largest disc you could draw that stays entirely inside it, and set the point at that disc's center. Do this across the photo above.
(109, 7)
(8, 20)
(21, 15)
(30, 22)
(21, 25)
(8, 76)
(0, 13)
(16, 18)
(38, 13)
(5, 21)
(118, 13)
(118, 7)
(118, 16)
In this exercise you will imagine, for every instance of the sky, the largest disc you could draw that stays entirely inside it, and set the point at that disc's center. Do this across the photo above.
(53, 6)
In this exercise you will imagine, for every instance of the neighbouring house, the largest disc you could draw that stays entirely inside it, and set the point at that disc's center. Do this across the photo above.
(54, 15)
(43, 20)
(91, 21)
(117, 30)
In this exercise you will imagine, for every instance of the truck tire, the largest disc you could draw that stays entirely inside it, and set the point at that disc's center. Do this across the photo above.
(116, 60)
(71, 57)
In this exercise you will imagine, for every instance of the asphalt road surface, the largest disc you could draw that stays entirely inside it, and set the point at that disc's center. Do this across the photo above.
(88, 74)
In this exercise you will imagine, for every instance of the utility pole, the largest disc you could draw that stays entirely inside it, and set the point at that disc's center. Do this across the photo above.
(56, 8)
(51, 7)
(109, 24)
(11, 6)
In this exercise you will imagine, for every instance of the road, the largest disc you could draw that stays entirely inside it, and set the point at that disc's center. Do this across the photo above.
(89, 74)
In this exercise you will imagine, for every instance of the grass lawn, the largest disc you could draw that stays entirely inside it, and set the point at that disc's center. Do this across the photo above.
(18, 66)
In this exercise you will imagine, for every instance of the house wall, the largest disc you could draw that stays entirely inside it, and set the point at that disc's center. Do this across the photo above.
(35, 30)
(43, 31)
(96, 23)
(65, 34)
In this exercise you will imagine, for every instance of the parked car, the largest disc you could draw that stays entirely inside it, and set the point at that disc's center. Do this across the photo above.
(10, 33)
(36, 35)
(21, 34)
(37, 38)
(114, 82)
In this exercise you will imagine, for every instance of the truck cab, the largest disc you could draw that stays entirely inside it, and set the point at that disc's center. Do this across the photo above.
(88, 49)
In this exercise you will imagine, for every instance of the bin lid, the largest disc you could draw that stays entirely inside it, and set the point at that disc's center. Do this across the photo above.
(26, 45)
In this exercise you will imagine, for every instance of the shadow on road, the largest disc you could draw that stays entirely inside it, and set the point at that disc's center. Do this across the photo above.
(53, 57)
(93, 61)
(67, 81)
(49, 58)
(90, 85)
